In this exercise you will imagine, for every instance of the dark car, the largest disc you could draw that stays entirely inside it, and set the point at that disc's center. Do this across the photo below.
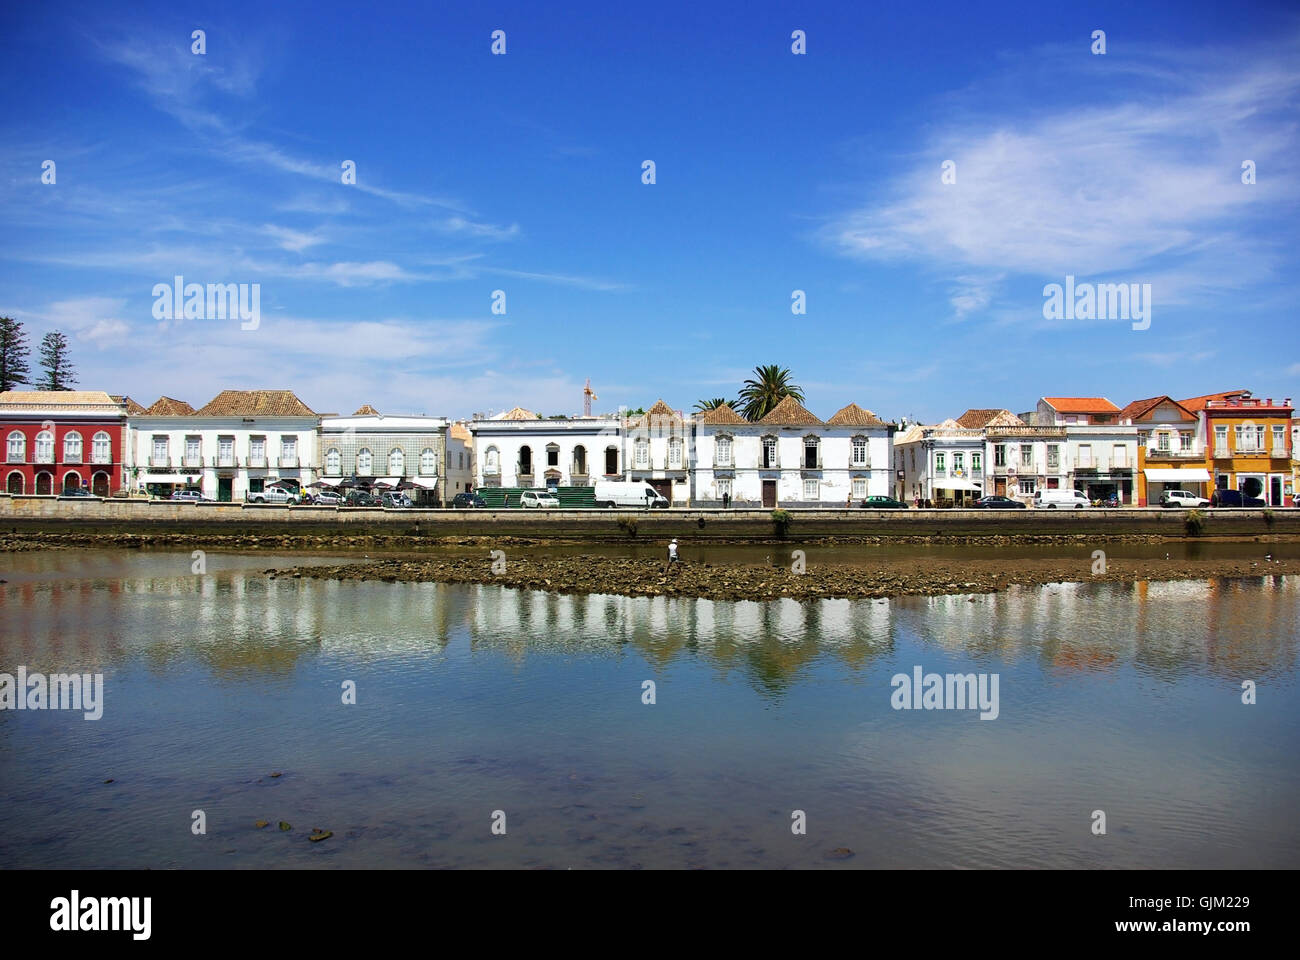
(468, 500)
(996, 502)
(882, 503)
(76, 492)
(359, 498)
(1233, 498)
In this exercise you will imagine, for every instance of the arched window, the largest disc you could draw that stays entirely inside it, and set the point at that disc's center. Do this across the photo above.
(428, 462)
(101, 448)
(72, 447)
(333, 462)
(17, 452)
(722, 455)
(811, 454)
(769, 460)
(44, 484)
(365, 462)
(45, 447)
(99, 484)
(526, 460)
(396, 462)
(71, 481)
(491, 460)
(580, 461)
(859, 458)
(611, 461)
(14, 484)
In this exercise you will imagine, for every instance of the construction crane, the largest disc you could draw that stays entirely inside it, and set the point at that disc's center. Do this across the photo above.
(588, 395)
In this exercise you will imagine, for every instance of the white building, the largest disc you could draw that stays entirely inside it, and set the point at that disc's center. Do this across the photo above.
(238, 443)
(390, 450)
(939, 464)
(657, 449)
(790, 457)
(520, 449)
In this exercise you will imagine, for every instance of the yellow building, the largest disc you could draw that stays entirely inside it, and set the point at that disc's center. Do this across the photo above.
(1248, 443)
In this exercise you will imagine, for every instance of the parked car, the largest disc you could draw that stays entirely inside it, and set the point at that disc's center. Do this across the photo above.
(273, 495)
(628, 493)
(188, 496)
(536, 499)
(359, 498)
(882, 503)
(468, 500)
(1234, 498)
(394, 499)
(76, 492)
(329, 498)
(1063, 499)
(996, 502)
(1182, 498)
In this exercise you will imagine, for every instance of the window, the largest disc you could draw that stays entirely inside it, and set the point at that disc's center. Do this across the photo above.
(811, 448)
(611, 461)
(17, 452)
(159, 458)
(913, 452)
(257, 451)
(193, 451)
(289, 451)
(1185, 441)
(1162, 441)
(333, 462)
(859, 487)
(1119, 456)
(1279, 441)
(859, 455)
(72, 447)
(675, 453)
(526, 460)
(491, 460)
(1027, 455)
(1220, 441)
(810, 488)
(940, 462)
(642, 454)
(1053, 456)
(1085, 456)
(580, 461)
(552, 455)
(365, 462)
(396, 462)
(429, 462)
(977, 463)
(724, 487)
(769, 453)
(1000, 455)
(1027, 486)
(226, 451)
(958, 463)
(101, 448)
(723, 452)
(45, 447)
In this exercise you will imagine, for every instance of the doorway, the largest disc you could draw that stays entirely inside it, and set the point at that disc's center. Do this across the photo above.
(225, 487)
(769, 493)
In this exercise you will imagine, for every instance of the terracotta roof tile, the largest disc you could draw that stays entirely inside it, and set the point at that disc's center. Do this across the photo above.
(1140, 408)
(1082, 404)
(518, 413)
(1197, 404)
(790, 413)
(167, 407)
(255, 403)
(854, 416)
(35, 397)
(722, 416)
(366, 410)
(133, 409)
(977, 418)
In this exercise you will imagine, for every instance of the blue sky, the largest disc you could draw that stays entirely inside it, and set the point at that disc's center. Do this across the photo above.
(774, 172)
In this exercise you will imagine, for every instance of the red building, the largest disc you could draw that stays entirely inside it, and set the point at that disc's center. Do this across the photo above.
(59, 440)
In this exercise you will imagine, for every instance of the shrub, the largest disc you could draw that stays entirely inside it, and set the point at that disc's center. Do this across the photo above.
(781, 522)
(1194, 523)
(628, 525)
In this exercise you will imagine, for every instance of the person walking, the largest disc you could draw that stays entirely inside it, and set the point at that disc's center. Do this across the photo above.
(672, 556)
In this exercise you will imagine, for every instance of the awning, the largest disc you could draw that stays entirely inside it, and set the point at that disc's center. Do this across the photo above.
(429, 483)
(387, 481)
(329, 481)
(1177, 476)
(169, 477)
(957, 483)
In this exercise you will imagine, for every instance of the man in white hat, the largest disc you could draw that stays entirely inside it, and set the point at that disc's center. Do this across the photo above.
(672, 555)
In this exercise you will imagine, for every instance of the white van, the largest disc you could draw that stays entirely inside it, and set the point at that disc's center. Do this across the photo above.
(628, 493)
(1061, 499)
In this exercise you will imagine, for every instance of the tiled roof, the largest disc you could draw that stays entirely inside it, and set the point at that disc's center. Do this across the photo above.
(656, 416)
(29, 398)
(518, 413)
(913, 433)
(366, 410)
(133, 409)
(977, 418)
(722, 416)
(255, 403)
(461, 432)
(1140, 408)
(167, 407)
(790, 413)
(854, 416)
(1197, 404)
(1082, 404)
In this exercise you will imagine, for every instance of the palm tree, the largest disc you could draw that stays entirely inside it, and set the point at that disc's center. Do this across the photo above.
(704, 406)
(771, 385)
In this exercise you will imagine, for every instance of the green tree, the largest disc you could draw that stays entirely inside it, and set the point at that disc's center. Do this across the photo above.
(771, 385)
(59, 371)
(704, 406)
(13, 354)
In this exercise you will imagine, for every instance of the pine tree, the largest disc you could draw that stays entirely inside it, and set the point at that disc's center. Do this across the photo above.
(13, 354)
(59, 371)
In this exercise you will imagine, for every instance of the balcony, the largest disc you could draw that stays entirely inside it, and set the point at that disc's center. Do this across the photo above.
(256, 462)
(288, 463)
(72, 458)
(194, 462)
(164, 461)
(1155, 453)
(1221, 452)
(1053, 465)
(223, 461)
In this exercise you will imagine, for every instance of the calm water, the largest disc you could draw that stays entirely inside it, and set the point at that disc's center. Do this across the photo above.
(472, 699)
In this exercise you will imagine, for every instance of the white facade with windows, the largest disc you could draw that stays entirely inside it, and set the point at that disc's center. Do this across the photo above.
(532, 452)
(374, 448)
(939, 464)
